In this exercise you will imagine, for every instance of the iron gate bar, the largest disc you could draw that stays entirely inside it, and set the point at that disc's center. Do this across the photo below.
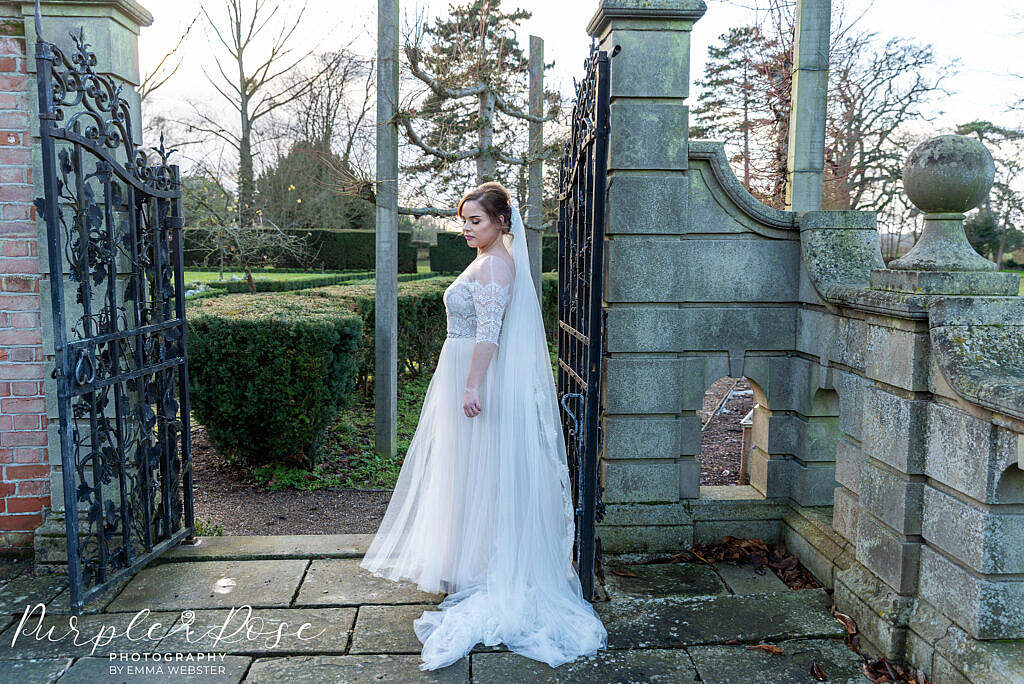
(582, 189)
(133, 345)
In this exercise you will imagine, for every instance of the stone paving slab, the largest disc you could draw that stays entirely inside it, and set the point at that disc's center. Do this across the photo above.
(742, 579)
(33, 671)
(341, 582)
(11, 568)
(212, 584)
(387, 629)
(673, 622)
(96, 604)
(28, 590)
(728, 664)
(354, 669)
(671, 666)
(226, 670)
(36, 640)
(271, 547)
(239, 632)
(662, 579)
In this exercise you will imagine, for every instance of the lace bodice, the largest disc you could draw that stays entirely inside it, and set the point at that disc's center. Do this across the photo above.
(475, 302)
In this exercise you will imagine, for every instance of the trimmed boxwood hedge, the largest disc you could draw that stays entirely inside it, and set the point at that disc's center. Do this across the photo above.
(421, 322)
(267, 372)
(286, 284)
(451, 254)
(351, 250)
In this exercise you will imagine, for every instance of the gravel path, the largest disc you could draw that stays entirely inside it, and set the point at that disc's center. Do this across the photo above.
(224, 497)
(723, 437)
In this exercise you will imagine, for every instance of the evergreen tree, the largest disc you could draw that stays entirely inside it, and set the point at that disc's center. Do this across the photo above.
(302, 191)
(995, 230)
(744, 102)
(474, 55)
(726, 102)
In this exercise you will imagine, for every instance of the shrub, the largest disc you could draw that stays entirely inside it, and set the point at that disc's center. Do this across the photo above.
(351, 250)
(451, 254)
(285, 284)
(421, 322)
(267, 372)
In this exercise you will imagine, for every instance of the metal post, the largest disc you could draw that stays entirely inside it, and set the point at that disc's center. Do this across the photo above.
(62, 367)
(385, 375)
(535, 211)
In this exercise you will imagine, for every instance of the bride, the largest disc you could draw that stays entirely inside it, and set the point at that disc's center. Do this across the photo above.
(482, 509)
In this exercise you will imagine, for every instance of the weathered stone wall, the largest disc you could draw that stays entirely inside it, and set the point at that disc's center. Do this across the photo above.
(887, 438)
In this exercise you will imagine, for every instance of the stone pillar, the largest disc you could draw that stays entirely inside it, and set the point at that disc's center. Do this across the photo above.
(651, 428)
(385, 376)
(30, 444)
(809, 96)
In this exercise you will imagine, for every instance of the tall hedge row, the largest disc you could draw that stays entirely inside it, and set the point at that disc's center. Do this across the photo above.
(451, 254)
(332, 250)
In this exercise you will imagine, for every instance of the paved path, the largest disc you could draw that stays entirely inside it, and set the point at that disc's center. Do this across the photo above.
(317, 617)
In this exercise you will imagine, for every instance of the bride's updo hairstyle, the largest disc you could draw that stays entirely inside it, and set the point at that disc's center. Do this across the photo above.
(494, 199)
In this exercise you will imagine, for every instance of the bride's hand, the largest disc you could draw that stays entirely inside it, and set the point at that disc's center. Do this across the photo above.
(471, 402)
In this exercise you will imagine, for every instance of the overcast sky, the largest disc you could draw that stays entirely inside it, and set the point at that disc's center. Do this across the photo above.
(984, 35)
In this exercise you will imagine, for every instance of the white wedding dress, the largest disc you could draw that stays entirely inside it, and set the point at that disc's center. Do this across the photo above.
(482, 507)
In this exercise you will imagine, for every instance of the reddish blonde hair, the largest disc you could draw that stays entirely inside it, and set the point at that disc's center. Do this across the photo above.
(494, 199)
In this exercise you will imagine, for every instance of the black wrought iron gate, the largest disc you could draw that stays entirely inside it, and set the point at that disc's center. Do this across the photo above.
(114, 240)
(581, 217)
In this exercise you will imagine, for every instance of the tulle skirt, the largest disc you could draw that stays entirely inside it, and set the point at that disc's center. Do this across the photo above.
(478, 516)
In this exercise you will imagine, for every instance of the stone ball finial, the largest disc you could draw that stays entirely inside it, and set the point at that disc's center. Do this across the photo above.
(948, 174)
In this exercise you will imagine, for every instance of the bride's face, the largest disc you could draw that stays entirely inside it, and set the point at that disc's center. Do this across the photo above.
(479, 229)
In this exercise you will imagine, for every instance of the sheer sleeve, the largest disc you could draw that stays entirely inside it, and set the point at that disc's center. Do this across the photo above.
(491, 292)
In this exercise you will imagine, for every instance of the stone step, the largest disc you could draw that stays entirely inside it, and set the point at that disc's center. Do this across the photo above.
(673, 621)
(657, 580)
(274, 547)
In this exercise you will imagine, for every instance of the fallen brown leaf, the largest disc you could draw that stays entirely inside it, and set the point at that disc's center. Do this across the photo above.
(819, 672)
(624, 573)
(767, 648)
(847, 621)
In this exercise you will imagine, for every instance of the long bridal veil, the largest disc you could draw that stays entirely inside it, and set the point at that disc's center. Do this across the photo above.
(528, 596)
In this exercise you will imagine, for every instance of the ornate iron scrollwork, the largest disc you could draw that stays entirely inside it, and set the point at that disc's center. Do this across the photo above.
(112, 215)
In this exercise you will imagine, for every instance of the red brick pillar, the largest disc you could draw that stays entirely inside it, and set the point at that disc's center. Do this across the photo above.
(25, 479)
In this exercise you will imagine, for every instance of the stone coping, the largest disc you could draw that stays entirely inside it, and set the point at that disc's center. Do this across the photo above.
(667, 10)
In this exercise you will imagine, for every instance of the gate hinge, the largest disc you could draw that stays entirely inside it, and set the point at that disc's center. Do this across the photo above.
(56, 372)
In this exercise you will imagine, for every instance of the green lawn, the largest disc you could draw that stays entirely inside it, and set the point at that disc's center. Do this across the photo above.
(214, 276)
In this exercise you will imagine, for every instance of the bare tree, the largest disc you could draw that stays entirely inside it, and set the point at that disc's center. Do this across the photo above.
(331, 116)
(875, 90)
(211, 210)
(253, 82)
(167, 66)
